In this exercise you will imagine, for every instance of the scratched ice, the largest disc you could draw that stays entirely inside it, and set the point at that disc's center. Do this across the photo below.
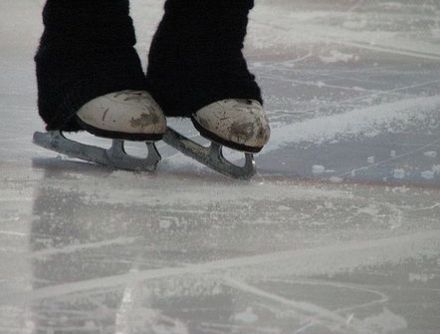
(339, 232)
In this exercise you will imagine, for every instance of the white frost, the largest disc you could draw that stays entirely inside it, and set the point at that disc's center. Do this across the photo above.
(369, 122)
(318, 169)
(337, 57)
(430, 154)
(427, 175)
(371, 160)
(399, 174)
(247, 317)
(385, 322)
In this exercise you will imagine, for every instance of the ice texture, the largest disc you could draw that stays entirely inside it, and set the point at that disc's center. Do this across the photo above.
(338, 232)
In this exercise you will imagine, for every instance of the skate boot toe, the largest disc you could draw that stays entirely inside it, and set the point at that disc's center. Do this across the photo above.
(235, 123)
(131, 115)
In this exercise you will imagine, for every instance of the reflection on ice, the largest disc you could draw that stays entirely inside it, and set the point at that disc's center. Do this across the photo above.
(129, 253)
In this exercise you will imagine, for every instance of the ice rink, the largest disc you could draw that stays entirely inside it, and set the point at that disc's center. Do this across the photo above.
(338, 233)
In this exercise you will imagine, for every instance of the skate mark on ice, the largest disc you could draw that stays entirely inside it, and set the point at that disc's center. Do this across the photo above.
(372, 92)
(419, 85)
(80, 247)
(320, 84)
(305, 327)
(365, 121)
(320, 260)
(381, 297)
(351, 76)
(13, 233)
(221, 328)
(135, 297)
(318, 33)
(314, 312)
(436, 205)
(386, 161)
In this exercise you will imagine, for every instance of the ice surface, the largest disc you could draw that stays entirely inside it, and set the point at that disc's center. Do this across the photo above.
(339, 232)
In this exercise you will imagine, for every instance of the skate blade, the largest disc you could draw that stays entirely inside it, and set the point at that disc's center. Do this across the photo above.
(114, 157)
(211, 156)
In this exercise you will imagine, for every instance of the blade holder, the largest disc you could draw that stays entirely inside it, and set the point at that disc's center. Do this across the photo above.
(211, 156)
(115, 157)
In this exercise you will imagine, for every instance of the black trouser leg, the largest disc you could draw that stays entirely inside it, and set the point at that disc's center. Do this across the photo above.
(196, 55)
(86, 51)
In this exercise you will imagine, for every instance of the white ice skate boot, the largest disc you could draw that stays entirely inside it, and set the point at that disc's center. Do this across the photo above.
(131, 115)
(235, 123)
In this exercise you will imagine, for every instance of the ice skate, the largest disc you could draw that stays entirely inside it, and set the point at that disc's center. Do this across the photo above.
(125, 115)
(238, 124)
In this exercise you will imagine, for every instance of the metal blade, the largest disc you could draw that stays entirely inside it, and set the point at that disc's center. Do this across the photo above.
(114, 157)
(211, 156)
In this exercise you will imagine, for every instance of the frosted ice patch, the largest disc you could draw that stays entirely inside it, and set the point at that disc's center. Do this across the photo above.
(399, 174)
(401, 190)
(336, 179)
(427, 174)
(368, 122)
(318, 169)
(165, 224)
(248, 316)
(385, 322)
(337, 57)
(417, 277)
(430, 154)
